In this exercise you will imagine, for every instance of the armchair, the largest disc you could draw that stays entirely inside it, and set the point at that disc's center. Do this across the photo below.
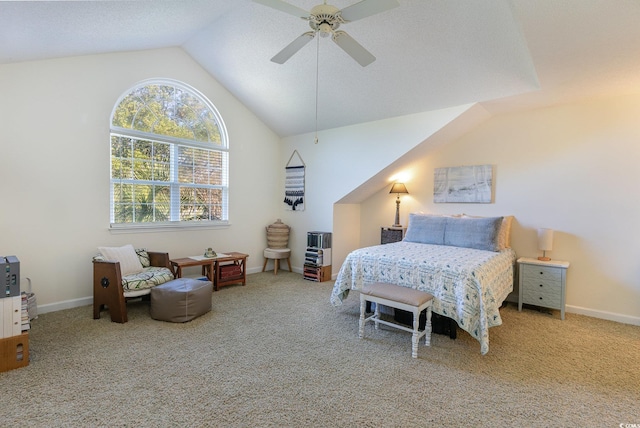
(117, 277)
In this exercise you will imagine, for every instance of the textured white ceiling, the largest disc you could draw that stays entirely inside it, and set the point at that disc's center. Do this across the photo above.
(431, 54)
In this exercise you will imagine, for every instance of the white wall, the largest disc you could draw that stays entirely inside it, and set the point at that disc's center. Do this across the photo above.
(572, 168)
(54, 146)
(344, 159)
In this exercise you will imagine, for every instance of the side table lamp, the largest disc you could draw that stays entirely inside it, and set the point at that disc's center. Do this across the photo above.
(398, 188)
(545, 243)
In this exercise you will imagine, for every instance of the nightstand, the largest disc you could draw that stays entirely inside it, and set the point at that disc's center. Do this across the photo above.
(391, 234)
(542, 283)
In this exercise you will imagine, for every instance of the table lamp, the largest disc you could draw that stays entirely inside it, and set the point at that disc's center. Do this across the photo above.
(545, 243)
(398, 188)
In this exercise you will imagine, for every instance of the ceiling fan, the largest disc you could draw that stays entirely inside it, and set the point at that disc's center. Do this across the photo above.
(326, 19)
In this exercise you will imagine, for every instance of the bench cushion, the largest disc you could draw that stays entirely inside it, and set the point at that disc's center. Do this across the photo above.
(147, 278)
(397, 293)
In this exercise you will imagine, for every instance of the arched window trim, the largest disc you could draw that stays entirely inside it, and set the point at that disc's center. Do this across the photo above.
(224, 139)
(149, 136)
(165, 138)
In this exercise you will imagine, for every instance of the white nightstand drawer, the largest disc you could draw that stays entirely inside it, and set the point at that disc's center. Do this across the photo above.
(549, 283)
(543, 296)
(542, 272)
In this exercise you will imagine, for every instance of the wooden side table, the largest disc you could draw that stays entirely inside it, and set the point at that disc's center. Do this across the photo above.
(230, 270)
(542, 283)
(208, 266)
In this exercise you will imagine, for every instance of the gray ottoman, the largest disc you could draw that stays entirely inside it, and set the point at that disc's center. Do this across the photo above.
(181, 300)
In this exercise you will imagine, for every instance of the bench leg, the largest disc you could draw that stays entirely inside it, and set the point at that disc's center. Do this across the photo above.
(415, 337)
(427, 328)
(363, 303)
(376, 312)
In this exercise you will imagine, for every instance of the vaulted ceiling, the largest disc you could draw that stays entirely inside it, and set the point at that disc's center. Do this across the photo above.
(431, 54)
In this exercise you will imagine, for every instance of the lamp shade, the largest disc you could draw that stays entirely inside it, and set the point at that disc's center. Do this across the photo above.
(545, 239)
(398, 188)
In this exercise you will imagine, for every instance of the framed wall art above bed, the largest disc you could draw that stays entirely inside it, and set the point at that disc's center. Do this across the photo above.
(463, 184)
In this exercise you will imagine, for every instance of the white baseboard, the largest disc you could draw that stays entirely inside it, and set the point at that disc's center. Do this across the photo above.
(85, 301)
(624, 319)
(67, 304)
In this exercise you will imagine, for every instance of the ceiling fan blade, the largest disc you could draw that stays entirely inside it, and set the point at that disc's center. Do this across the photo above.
(367, 8)
(285, 7)
(353, 48)
(293, 47)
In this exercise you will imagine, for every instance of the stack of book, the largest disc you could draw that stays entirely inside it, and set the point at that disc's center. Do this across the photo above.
(319, 239)
(317, 258)
(26, 322)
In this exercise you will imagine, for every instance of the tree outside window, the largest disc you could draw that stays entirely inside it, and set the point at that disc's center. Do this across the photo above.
(169, 157)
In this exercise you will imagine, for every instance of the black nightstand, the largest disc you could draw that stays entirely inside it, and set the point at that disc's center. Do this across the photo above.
(392, 234)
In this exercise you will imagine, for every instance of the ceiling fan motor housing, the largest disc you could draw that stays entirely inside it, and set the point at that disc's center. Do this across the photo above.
(325, 18)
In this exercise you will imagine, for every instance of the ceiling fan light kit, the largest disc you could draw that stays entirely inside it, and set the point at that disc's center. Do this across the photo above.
(326, 19)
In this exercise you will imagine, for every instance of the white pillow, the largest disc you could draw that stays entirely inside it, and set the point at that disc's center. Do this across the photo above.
(126, 255)
(505, 231)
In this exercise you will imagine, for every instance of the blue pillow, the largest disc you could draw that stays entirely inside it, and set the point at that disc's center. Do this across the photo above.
(426, 229)
(478, 233)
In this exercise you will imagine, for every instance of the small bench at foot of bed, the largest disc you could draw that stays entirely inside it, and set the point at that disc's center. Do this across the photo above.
(398, 297)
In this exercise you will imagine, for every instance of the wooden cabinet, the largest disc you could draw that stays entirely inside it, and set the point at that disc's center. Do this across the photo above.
(542, 283)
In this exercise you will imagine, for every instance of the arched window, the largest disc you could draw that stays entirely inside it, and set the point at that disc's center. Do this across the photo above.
(169, 158)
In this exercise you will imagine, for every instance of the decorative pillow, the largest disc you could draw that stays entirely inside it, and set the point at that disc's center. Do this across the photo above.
(505, 231)
(426, 229)
(478, 233)
(126, 255)
(144, 257)
(504, 235)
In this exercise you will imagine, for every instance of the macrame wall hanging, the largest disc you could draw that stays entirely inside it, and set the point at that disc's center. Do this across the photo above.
(294, 183)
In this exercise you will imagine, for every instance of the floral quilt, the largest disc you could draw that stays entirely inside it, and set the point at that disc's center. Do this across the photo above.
(468, 285)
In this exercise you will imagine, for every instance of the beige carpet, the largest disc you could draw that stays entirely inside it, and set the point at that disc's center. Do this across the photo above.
(276, 353)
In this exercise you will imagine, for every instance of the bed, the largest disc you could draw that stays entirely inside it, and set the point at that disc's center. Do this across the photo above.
(467, 264)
